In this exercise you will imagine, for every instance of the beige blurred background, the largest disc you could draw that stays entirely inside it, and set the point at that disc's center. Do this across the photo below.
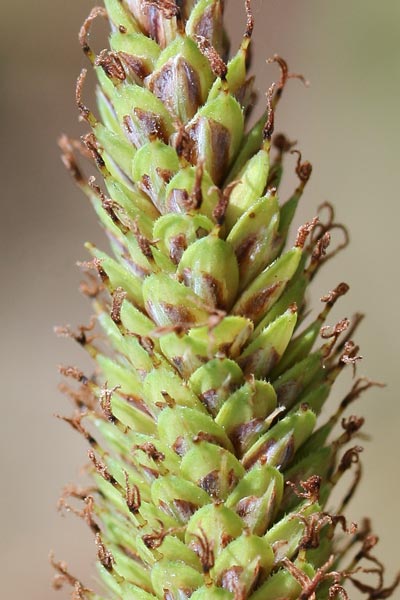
(347, 123)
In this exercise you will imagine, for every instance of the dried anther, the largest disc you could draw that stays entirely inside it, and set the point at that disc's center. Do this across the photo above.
(168, 8)
(341, 520)
(333, 334)
(79, 592)
(133, 499)
(328, 332)
(178, 245)
(72, 491)
(165, 174)
(378, 592)
(86, 513)
(282, 144)
(313, 527)
(308, 489)
(104, 555)
(79, 336)
(204, 550)
(337, 591)
(361, 385)
(110, 206)
(96, 264)
(105, 401)
(69, 160)
(84, 111)
(154, 540)
(181, 141)
(218, 66)
(352, 425)
(73, 372)
(269, 125)
(223, 201)
(100, 467)
(64, 576)
(195, 199)
(144, 244)
(355, 322)
(118, 298)
(151, 451)
(350, 457)
(285, 75)
(147, 344)
(112, 65)
(76, 423)
(321, 246)
(332, 296)
(114, 211)
(303, 169)
(249, 19)
(304, 231)
(83, 398)
(91, 144)
(350, 356)
(84, 32)
(309, 586)
(326, 228)
(91, 286)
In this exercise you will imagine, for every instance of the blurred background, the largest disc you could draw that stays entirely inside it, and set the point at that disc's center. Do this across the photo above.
(346, 123)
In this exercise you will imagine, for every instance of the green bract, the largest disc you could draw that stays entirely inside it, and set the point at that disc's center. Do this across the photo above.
(205, 396)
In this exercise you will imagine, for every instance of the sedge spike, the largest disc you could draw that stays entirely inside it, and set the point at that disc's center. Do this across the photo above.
(211, 467)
